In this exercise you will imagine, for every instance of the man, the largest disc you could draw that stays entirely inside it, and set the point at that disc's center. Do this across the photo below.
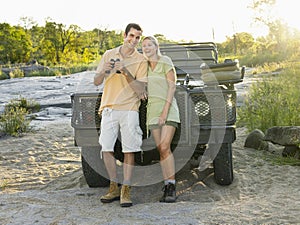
(123, 71)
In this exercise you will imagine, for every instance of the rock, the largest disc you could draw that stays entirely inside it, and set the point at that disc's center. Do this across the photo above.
(27, 69)
(256, 140)
(291, 151)
(33, 67)
(275, 149)
(283, 135)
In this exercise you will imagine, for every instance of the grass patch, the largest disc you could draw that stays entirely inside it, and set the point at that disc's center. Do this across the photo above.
(273, 101)
(16, 73)
(279, 160)
(30, 106)
(60, 70)
(41, 73)
(14, 121)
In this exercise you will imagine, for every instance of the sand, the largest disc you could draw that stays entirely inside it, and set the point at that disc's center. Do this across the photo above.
(42, 183)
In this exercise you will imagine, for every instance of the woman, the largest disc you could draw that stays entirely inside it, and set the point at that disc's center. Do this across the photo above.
(162, 110)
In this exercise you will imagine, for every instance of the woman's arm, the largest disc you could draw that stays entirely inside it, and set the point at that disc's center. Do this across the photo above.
(170, 77)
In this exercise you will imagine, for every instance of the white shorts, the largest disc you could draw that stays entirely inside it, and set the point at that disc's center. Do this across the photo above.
(125, 123)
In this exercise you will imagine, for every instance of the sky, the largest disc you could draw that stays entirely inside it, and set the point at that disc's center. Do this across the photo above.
(188, 20)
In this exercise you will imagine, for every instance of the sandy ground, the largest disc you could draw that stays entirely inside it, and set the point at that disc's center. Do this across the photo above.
(42, 183)
(41, 180)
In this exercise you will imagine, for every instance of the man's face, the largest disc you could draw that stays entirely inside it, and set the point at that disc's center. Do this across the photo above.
(132, 38)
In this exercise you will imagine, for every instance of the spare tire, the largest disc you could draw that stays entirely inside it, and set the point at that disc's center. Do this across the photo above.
(93, 167)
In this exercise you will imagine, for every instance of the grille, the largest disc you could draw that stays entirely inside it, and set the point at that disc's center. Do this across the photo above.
(215, 107)
(196, 108)
(85, 111)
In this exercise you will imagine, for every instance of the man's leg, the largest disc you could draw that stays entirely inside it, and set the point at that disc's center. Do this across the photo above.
(110, 164)
(107, 139)
(114, 190)
(128, 167)
(131, 142)
(126, 187)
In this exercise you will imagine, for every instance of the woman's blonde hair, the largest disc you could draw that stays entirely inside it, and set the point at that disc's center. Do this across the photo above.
(154, 41)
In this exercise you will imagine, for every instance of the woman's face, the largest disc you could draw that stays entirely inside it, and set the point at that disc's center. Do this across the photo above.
(149, 48)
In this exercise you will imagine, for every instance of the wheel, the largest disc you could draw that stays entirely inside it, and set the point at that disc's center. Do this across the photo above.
(223, 167)
(92, 166)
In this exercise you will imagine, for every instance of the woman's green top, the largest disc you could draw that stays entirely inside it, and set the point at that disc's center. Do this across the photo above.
(158, 91)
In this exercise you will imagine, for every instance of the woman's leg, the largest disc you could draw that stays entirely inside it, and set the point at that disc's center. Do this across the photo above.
(163, 138)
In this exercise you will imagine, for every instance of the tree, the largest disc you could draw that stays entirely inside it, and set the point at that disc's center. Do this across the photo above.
(37, 38)
(15, 44)
(244, 42)
(239, 44)
(280, 35)
(58, 38)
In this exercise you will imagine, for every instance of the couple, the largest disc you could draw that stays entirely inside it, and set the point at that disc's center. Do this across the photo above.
(125, 81)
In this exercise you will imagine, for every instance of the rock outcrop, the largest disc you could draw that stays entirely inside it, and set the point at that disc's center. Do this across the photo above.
(282, 139)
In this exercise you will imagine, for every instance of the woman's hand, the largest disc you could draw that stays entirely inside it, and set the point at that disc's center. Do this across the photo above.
(162, 119)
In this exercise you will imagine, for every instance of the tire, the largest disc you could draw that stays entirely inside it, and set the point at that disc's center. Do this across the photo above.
(91, 163)
(223, 168)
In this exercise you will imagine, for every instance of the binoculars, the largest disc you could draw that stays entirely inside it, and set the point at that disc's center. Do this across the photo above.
(112, 62)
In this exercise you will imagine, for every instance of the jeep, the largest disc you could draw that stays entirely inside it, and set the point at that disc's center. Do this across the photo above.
(206, 98)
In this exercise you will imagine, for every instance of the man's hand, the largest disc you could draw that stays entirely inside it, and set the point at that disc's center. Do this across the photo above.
(137, 86)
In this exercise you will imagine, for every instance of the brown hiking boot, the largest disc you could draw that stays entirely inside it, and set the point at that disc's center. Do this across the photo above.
(112, 194)
(125, 196)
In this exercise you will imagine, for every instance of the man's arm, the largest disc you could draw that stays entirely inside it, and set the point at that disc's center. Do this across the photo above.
(99, 78)
(138, 87)
(103, 70)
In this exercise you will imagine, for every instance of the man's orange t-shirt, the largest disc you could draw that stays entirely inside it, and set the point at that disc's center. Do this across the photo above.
(117, 93)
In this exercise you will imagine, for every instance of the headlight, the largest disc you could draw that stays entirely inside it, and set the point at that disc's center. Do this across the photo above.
(215, 107)
(201, 108)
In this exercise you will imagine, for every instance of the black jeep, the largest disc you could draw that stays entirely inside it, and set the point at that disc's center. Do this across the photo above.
(207, 103)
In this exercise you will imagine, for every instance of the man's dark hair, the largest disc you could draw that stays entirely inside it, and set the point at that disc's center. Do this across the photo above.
(132, 25)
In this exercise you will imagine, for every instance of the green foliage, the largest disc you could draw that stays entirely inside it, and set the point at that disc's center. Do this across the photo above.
(16, 73)
(56, 44)
(15, 44)
(63, 70)
(268, 68)
(279, 160)
(41, 73)
(3, 76)
(30, 106)
(273, 101)
(14, 120)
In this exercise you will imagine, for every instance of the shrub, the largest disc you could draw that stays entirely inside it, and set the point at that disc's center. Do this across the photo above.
(273, 101)
(16, 73)
(3, 76)
(14, 122)
(29, 105)
(41, 73)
